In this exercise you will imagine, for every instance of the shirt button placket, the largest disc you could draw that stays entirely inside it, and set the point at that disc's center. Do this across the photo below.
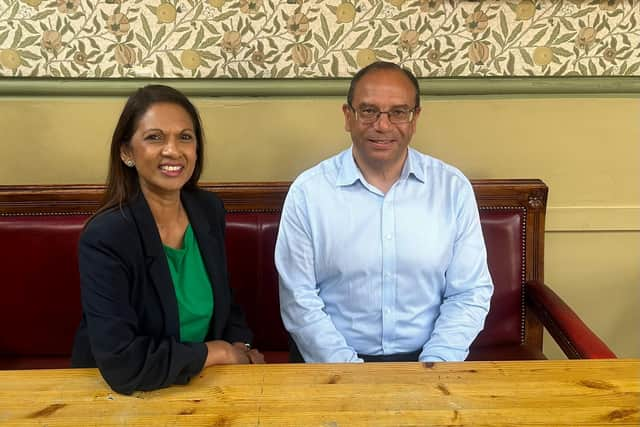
(388, 273)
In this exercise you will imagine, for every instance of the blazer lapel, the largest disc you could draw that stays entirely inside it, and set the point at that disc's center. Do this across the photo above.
(213, 258)
(157, 265)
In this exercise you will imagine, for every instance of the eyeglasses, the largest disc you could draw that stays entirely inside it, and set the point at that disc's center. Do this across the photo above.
(369, 115)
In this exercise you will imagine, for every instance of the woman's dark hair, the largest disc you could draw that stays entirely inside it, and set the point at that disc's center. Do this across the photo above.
(122, 181)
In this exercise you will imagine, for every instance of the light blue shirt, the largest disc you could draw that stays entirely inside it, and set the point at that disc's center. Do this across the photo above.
(372, 273)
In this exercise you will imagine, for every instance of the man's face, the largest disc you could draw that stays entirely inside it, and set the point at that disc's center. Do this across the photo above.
(381, 144)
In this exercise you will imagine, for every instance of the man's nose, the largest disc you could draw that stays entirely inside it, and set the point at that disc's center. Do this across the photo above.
(383, 122)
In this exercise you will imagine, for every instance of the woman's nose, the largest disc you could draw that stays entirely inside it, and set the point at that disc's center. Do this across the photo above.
(170, 147)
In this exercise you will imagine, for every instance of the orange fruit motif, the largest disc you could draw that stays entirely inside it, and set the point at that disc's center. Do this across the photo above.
(542, 55)
(166, 13)
(10, 58)
(190, 59)
(345, 12)
(365, 57)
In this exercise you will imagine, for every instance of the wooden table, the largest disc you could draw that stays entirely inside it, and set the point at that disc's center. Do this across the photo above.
(531, 393)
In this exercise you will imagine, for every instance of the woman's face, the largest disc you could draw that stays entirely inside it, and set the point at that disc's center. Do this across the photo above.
(163, 148)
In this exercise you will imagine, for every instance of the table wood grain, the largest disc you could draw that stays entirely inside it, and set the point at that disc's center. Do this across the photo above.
(526, 393)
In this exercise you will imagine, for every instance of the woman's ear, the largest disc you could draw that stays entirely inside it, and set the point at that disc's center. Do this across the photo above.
(125, 152)
(126, 155)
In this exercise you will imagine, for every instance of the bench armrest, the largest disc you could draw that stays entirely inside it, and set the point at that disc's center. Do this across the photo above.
(572, 335)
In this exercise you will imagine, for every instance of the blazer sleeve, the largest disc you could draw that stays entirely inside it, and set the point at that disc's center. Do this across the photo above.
(128, 358)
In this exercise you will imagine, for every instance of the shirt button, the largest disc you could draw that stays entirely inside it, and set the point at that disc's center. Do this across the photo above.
(387, 310)
(388, 237)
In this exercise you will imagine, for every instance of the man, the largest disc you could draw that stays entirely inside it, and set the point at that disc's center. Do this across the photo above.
(380, 252)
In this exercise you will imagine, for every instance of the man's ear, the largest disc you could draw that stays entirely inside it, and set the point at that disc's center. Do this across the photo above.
(348, 114)
(416, 113)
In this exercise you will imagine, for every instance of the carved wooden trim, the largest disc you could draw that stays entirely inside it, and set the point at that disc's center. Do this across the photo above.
(251, 196)
(49, 199)
(28, 199)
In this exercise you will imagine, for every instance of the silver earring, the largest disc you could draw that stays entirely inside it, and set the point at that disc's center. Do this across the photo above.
(130, 163)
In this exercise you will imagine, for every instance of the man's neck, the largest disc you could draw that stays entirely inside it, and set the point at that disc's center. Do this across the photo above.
(381, 175)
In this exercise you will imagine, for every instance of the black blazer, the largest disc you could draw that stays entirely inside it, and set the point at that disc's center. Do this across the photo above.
(130, 326)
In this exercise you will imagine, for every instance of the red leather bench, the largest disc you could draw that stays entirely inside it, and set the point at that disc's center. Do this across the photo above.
(40, 303)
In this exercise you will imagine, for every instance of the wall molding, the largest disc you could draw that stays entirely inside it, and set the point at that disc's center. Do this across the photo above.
(434, 87)
(592, 218)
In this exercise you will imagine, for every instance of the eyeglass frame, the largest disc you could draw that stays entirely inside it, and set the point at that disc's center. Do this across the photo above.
(411, 111)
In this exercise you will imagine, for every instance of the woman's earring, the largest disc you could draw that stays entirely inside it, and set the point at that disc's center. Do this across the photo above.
(130, 163)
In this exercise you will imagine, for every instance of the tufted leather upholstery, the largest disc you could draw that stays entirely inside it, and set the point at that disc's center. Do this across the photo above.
(250, 240)
(254, 236)
(40, 304)
(503, 232)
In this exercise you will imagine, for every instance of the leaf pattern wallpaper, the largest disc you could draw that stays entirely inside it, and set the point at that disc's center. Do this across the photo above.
(264, 39)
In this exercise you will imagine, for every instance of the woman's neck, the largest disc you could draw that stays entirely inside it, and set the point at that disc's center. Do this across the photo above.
(165, 208)
(169, 216)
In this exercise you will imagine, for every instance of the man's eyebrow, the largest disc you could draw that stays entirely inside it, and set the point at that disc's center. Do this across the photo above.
(393, 107)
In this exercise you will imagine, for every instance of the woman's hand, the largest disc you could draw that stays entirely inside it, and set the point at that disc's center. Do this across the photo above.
(253, 354)
(222, 353)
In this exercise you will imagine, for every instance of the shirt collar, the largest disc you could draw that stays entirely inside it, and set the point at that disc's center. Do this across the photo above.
(349, 172)
(414, 165)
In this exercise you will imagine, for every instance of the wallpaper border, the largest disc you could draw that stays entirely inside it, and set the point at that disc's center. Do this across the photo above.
(497, 86)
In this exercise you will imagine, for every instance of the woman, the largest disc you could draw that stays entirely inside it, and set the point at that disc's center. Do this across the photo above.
(156, 305)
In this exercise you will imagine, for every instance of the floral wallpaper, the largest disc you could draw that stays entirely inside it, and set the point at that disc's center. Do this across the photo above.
(314, 38)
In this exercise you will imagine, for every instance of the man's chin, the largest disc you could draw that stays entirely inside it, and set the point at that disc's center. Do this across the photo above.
(379, 153)
(382, 156)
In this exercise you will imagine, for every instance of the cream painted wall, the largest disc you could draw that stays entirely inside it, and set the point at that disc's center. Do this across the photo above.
(586, 149)
(598, 273)
(563, 141)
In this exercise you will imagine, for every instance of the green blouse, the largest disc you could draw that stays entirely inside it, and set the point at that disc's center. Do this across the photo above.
(193, 288)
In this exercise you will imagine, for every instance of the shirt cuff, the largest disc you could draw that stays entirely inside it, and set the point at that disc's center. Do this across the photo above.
(430, 358)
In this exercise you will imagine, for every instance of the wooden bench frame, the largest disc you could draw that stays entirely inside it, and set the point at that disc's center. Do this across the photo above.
(540, 305)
